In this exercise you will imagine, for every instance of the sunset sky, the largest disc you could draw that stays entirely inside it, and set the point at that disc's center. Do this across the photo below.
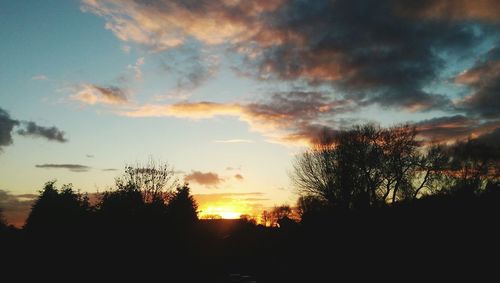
(228, 91)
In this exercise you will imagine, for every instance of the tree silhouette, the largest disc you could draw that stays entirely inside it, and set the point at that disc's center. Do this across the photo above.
(472, 166)
(278, 213)
(182, 207)
(123, 205)
(58, 209)
(3, 223)
(368, 166)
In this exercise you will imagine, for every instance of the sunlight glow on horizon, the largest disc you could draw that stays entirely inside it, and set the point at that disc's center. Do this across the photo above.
(225, 212)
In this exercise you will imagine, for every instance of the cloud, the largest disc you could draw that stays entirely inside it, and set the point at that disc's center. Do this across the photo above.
(208, 179)
(190, 67)
(28, 128)
(194, 110)
(363, 49)
(39, 78)
(16, 208)
(109, 169)
(451, 128)
(238, 177)
(71, 167)
(33, 130)
(95, 94)
(89, 155)
(163, 25)
(234, 141)
(383, 52)
(230, 168)
(283, 117)
(484, 81)
(484, 10)
(7, 124)
(137, 68)
(491, 138)
(390, 53)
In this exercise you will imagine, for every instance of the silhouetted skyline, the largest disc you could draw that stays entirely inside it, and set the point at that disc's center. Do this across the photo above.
(230, 92)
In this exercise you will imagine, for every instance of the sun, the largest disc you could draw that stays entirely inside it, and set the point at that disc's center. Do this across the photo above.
(225, 212)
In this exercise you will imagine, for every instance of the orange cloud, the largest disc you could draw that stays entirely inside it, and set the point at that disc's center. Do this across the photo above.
(167, 24)
(285, 118)
(453, 128)
(194, 110)
(95, 94)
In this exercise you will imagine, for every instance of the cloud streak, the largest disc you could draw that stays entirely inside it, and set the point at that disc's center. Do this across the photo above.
(70, 167)
(234, 141)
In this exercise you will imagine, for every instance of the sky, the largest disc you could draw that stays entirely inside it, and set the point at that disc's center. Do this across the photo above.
(229, 91)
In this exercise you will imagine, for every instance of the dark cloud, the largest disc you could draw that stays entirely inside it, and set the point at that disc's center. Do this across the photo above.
(363, 49)
(71, 167)
(16, 208)
(492, 138)
(109, 169)
(209, 179)
(112, 93)
(390, 53)
(238, 177)
(89, 155)
(451, 128)
(33, 130)
(484, 82)
(6, 126)
(27, 128)
(483, 10)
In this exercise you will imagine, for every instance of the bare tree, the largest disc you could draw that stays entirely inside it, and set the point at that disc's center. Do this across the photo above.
(368, 166)
(155, 180)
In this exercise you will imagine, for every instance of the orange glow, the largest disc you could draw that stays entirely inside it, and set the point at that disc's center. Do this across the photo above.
(225, 212)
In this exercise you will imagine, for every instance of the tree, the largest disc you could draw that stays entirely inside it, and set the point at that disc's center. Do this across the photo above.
(58, 209)
(265, 218)
(155, 180)
(367, 166)
(3, 223)
(278, 213)
(182, 207)
(125, 204)
(345, 173)
(308, 204)
(473, 164)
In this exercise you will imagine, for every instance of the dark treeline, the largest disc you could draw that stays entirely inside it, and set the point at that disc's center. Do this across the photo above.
(374, 202)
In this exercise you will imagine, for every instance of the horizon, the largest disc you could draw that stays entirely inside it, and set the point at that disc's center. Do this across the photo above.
(228, 92)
